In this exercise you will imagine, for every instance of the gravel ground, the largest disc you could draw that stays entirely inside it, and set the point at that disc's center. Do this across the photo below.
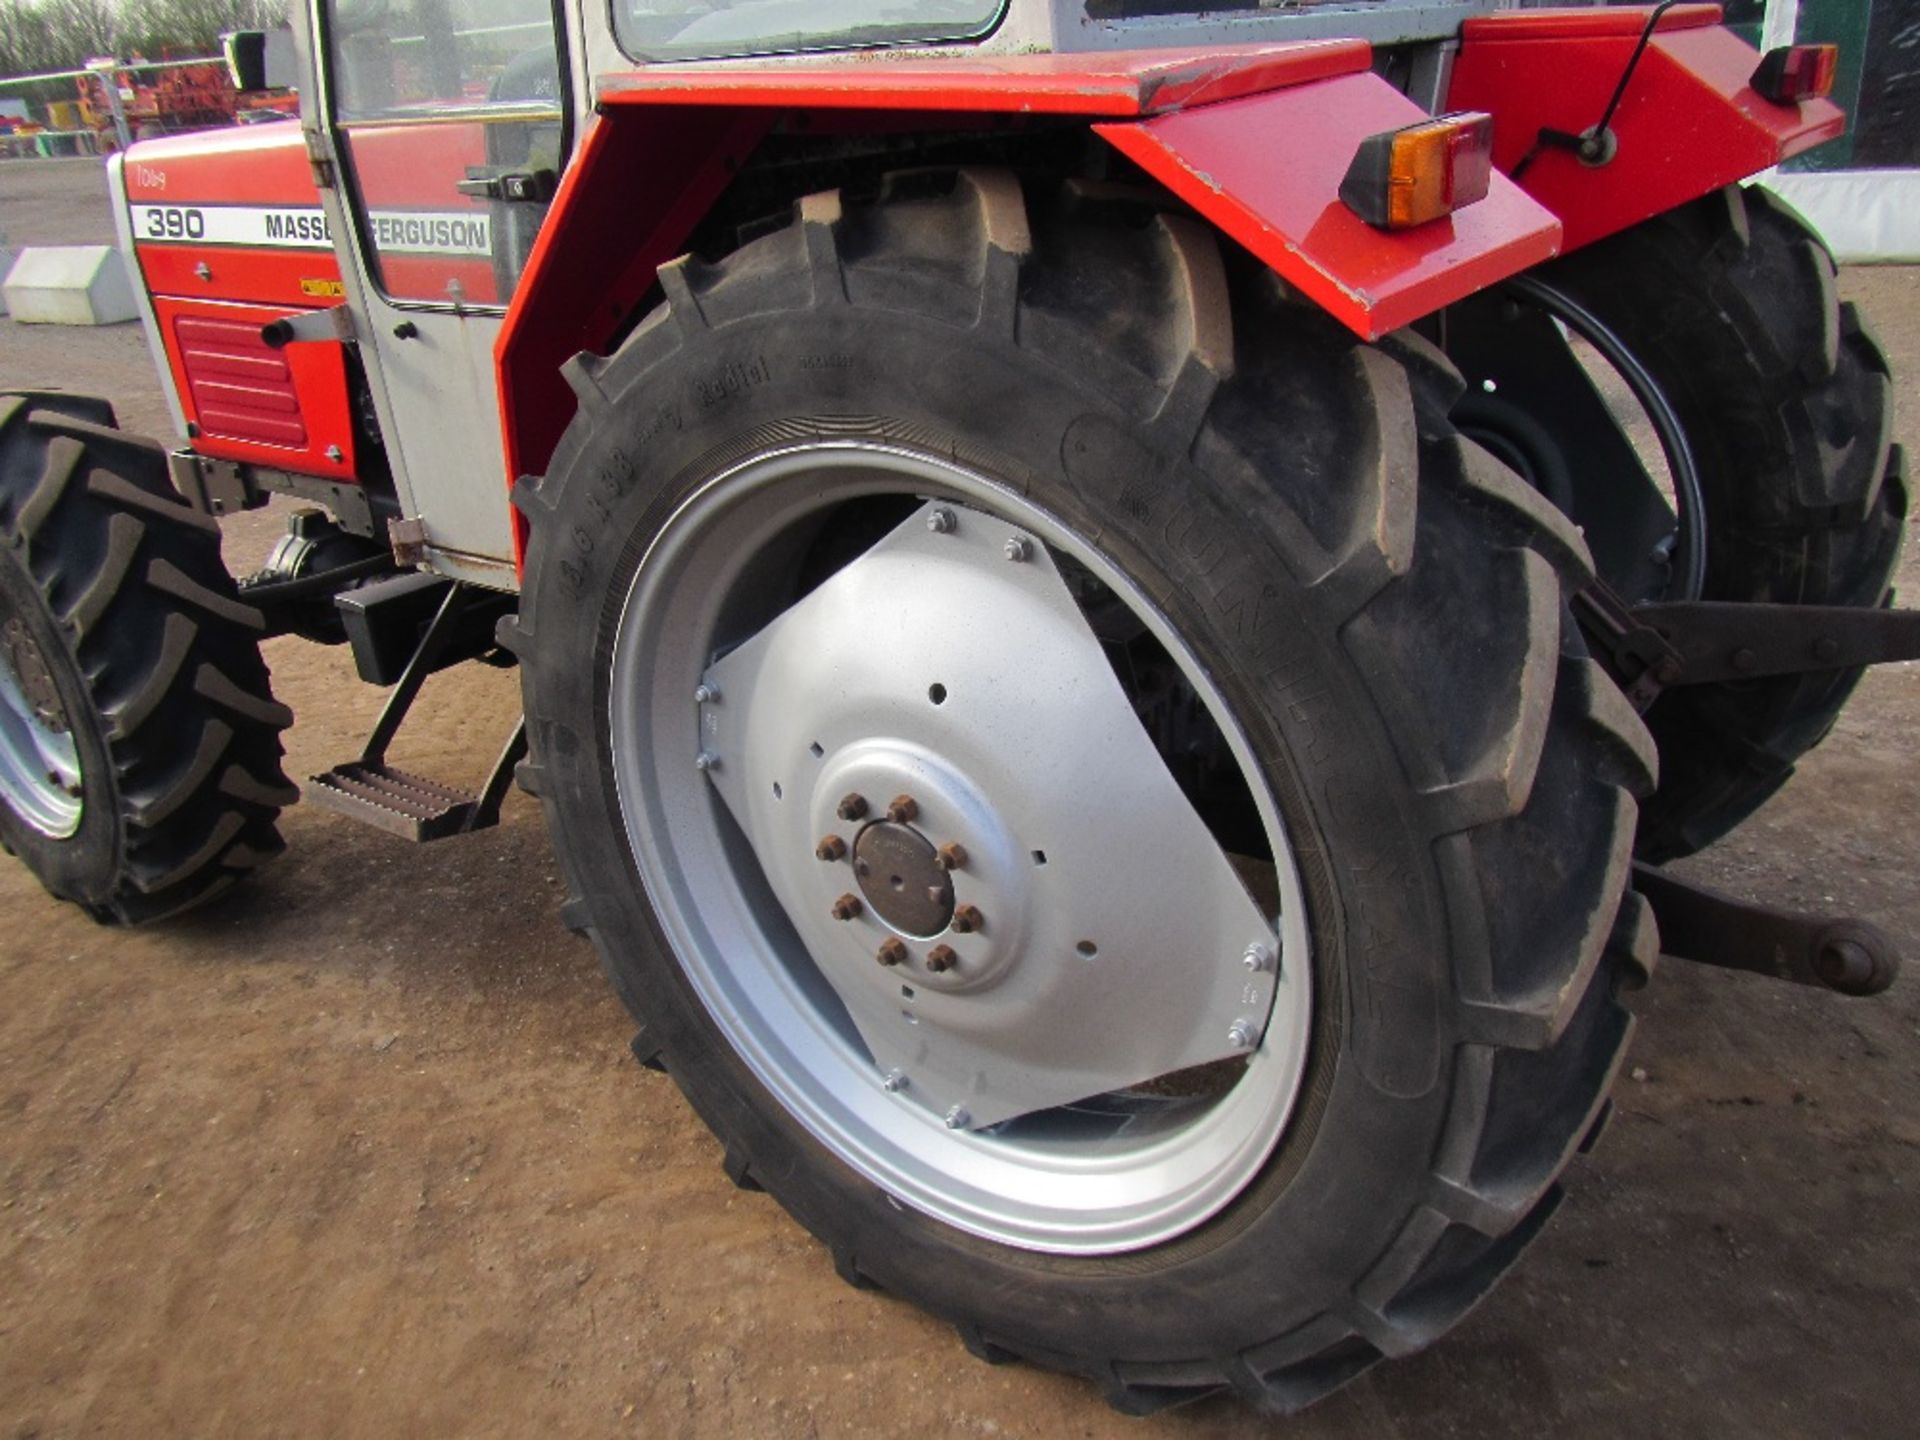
(361, 1152)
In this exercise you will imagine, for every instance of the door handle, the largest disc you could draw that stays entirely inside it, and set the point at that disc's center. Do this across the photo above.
(521, 185)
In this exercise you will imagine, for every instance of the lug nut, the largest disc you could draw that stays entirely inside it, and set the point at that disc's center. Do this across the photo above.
(895, 1082)
(1257, 958)
(853, 807)
(951, 857)
(892, 951)
(1240, 1035)
(847, 907)
(830, 848)
(958, 1118)
(967, 919)
(706, 761)
(706, 695)
(903, 809)
(940, 522)
(942, 958)
(1018, 549)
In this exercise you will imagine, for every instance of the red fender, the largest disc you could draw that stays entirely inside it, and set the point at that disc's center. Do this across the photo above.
(1256, 138)
(1688, 122)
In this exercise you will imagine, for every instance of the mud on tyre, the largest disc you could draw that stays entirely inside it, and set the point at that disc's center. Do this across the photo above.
(1373, 605)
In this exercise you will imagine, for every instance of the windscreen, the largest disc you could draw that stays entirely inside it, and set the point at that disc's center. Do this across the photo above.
(698, 29)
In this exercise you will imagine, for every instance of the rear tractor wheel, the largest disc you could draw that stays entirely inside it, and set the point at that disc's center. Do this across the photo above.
(1087, 782)
(139, 742)
(1694, 395)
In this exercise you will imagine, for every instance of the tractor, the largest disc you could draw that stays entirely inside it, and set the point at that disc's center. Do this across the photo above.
(1117, 602)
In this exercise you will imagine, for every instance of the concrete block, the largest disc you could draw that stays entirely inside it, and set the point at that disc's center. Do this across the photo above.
(69, 285)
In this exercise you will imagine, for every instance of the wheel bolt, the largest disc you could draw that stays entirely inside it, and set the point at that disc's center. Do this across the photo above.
(1018, 549)
(1257, 958)
(903, 809)
(958, 1118)
(892, 951)
(847, 907)
(895, 1082)
(940, 522)
(942, 958)
(830, 848)
(967, 919)
(706, 761)
(1240, 1035)
(853, 807)
(706, 695)
(952, 856)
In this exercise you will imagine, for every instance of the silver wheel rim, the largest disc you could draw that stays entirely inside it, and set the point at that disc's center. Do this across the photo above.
(1117, 1171)
(39, 759)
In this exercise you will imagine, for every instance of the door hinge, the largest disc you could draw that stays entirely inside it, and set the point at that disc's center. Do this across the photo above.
(319, 162)
(409, 540)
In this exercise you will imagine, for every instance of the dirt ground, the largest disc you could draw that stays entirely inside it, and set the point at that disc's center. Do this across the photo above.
(362, 1151)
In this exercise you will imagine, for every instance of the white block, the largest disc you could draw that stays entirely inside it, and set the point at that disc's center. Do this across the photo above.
(7, 256)
(69, 285)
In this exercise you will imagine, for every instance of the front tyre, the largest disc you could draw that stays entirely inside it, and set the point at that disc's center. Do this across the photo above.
(1088, 784)
(139, 741)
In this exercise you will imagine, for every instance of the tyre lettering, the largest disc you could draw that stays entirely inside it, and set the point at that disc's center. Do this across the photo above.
(732, 381)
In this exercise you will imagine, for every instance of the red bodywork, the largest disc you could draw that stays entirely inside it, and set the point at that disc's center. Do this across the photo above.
(1255, 138)
(284, 408)
(1688, 123)
(667, 142)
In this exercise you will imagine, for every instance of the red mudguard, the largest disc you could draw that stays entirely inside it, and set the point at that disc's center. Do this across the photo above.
(1688, 122)
(1254, 137)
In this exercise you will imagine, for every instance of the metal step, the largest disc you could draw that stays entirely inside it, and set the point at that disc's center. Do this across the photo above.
(406, 805)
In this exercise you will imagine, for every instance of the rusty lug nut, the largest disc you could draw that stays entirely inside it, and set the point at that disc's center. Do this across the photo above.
(830, 848)
(853, 807)
(967, 919)
(942, 958)
(892, 951)
(847, 907)
(952, 857)
(903, 809)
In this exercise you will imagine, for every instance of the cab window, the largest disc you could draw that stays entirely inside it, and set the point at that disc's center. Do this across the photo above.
(451, 117)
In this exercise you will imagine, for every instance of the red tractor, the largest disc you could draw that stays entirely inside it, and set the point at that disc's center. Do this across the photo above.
(1116, 601)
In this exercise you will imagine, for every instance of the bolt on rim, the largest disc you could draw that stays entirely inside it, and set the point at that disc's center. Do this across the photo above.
(39, 757)
(947, 1023)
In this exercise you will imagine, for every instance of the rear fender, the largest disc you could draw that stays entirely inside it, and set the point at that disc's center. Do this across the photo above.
(1255, 138)
(1688, 122)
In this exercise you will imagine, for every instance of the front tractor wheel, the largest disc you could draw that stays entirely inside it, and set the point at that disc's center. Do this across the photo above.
(1087, 782)
(139, 742)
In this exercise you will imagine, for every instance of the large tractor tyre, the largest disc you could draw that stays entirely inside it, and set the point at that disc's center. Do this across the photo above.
(139, 741)
(1087, 783)
(1785, 401)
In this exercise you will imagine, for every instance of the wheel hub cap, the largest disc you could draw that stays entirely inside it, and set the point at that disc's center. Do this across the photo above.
(899, 873)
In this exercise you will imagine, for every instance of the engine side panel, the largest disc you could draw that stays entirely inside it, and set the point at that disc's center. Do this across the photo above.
(228, 235)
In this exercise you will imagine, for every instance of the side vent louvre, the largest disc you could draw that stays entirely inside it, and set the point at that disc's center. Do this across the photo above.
(241, 389)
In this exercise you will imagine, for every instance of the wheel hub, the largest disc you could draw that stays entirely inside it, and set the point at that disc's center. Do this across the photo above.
(39, 757)
(899, 872)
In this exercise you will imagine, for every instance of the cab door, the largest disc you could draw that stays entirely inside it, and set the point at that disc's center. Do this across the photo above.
(446, 123)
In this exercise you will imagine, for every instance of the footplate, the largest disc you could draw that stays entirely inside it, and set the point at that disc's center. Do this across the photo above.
(392, 800)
